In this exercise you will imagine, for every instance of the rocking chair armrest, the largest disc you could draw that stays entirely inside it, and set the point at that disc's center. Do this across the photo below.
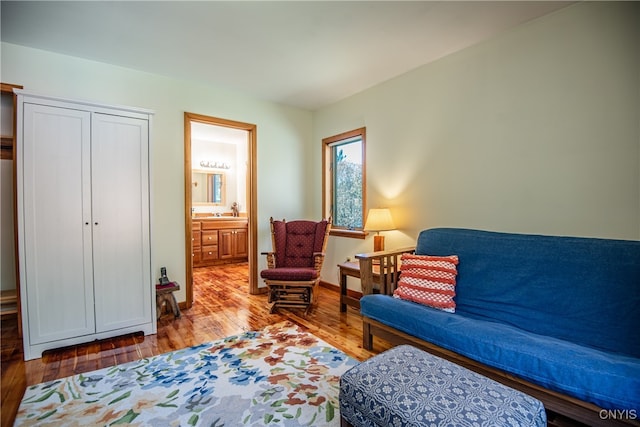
(318, 260)
(387, 265)
(271, 259)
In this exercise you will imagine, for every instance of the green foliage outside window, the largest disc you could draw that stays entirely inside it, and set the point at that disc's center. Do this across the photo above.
(348, 187)
(343, 181)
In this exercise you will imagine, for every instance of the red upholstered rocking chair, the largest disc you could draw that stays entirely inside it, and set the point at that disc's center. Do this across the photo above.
(293, 267)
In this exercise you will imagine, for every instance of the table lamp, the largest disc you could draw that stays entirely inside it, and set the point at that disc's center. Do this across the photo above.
(379, 220)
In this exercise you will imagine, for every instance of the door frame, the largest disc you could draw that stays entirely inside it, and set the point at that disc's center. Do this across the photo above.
(251, 196)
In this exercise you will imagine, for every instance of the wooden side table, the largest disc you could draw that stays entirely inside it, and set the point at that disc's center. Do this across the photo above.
(352, 269)
(164, 296)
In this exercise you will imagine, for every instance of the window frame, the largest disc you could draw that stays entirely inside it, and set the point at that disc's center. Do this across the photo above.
(327, 181)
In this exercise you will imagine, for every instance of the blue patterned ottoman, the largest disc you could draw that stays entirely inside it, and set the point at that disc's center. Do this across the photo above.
(405, 386)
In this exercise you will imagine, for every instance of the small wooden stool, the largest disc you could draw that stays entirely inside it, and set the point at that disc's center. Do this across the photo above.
(164, 296)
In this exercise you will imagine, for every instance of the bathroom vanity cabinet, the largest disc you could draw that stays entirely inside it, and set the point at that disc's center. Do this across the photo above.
(218, 240)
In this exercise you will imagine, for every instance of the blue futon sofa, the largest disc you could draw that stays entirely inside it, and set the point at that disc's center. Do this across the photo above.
(556, 317)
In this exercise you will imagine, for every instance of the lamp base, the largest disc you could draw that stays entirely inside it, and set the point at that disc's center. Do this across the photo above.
(378, 243)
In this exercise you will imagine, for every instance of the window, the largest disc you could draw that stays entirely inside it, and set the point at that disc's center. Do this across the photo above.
(343, 188)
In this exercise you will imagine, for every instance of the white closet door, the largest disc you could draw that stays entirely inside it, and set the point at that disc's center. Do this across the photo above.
(55, 230)
(121, 247)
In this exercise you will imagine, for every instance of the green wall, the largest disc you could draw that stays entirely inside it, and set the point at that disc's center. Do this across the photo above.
(536, 131)
(280, 129)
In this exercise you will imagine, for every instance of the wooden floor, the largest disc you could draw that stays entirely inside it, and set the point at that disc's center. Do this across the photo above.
(222, 307)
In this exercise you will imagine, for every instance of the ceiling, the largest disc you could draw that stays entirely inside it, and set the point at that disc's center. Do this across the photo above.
(306, 54)
(219, 134)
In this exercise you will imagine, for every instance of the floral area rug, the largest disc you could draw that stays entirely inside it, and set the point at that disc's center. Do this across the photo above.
(280, 376)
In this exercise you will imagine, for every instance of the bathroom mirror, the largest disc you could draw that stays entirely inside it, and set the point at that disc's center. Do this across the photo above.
(207, 187)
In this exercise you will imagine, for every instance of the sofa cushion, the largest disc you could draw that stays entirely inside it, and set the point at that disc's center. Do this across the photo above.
(428, 280)
(582, 290)
(607, 379)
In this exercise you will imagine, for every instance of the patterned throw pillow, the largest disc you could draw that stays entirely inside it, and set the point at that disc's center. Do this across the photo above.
(428, 280)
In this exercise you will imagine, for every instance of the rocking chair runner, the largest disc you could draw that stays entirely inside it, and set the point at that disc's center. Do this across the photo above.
(293, 267)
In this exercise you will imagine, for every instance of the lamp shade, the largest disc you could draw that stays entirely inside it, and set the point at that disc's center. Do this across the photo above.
(379, 220)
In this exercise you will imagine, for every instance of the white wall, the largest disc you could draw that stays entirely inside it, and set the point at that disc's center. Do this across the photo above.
(535, 131)
(282, 132)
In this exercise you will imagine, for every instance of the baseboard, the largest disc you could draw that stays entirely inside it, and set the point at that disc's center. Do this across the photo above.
(336, 288)
(330, 286)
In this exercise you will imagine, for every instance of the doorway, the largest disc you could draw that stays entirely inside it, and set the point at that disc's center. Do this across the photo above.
(191, 120)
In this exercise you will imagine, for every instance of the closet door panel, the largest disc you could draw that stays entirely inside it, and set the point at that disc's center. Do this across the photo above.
(121, 249)
(55, 230)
